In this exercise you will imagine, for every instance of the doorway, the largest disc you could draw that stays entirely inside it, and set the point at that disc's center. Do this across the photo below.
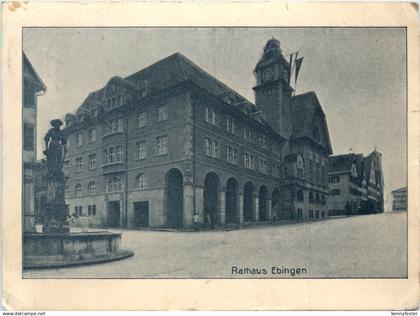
(141, 214)
(114, 212)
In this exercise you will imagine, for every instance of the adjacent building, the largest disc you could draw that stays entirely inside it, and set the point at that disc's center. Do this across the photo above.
(399, 200)
(32, 88)
(152, 148)
(356, 184)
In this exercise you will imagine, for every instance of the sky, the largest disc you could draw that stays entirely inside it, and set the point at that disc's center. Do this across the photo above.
(358, 74)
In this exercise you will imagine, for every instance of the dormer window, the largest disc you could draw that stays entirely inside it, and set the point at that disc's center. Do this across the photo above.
(262, 141)
(114, 102)
(210, 115)
(248, 134)
(94, 112)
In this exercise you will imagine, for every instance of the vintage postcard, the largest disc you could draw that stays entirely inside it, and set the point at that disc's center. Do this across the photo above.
(210, 156)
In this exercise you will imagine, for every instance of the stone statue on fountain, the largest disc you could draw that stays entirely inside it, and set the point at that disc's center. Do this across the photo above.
(55, 220)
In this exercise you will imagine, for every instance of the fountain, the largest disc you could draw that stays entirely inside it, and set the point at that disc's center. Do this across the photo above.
(56, 246)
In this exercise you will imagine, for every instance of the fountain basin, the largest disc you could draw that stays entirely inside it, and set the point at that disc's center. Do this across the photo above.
(43, 251)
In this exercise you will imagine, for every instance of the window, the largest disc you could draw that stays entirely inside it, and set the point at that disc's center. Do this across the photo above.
(210, 115)
(276, 171)
(114, 185)
(300, 213)
(334, 179)
(94, 112)
(311, 171)
(232, 155)
(162, 113)
(299, 166)
(262, 141)
(335, 192)
(78, 190)
(263, 166)
(248, 161)
(79, 164)
(111, 152)
(118, 154)
(92, 135)
(141, 119)
(212, 148)
(79, 139)
(91, 188)
(66, 167)
(268, 91)
(247, 134)
(28, 137)
(318, 173)
(141, 181)
(92, 161)
(113, 155)
(114, 126)
(162, 145)
(299, 195)
(66, 191)
(92, 210)
(119, 125)
(114, 102)
(311, 213)
(231, 125)
(78, 210)
(141, 151)
(81, 118)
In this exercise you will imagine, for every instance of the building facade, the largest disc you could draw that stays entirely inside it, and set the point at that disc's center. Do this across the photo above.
(32, 88)
(399, 200)
(149, 149)
(356, 184)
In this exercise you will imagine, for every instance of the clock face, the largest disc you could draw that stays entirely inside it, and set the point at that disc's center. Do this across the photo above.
(267, 74)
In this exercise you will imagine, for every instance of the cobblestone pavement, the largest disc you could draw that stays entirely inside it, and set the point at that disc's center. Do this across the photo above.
(362, 246)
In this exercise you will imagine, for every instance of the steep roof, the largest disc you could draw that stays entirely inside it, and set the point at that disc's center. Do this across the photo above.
(305, 108)
(172, 71)
(404, 189)
(343, 163)
(27, 67)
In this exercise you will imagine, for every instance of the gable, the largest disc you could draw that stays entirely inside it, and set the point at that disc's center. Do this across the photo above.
(30, 74)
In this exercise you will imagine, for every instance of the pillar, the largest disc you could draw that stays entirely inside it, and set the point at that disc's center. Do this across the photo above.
(222, 207)
(199, 203)
(188, 204)
(269, 211)
(256, 208)
(240, 207)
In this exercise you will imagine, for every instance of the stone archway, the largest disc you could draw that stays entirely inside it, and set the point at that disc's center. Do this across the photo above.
(249, 202)
(263, 204)
(232, 201)
(174, 197)
(211, 197)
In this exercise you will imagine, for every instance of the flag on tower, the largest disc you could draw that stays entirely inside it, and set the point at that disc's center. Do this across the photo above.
(292, 61)
(299, 62)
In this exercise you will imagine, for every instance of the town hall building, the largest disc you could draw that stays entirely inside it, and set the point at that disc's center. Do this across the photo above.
(150, 149)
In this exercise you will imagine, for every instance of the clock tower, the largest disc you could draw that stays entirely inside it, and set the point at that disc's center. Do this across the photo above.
(273, 91)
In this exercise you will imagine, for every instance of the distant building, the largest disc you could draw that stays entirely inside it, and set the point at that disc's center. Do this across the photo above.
(399, 200)
(356, 184)
(149, 149)
(32, 87)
